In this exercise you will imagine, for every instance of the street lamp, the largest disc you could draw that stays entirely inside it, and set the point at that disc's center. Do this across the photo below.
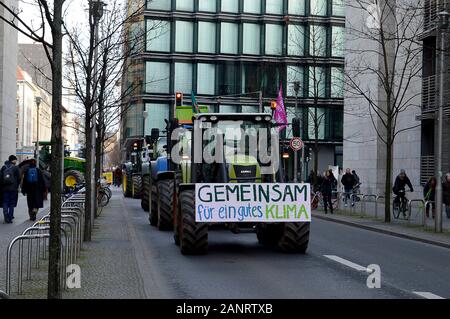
(38, 101)
(443, 25)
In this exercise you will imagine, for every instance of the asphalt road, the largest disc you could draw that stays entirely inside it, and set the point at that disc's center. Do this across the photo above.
(334, 267)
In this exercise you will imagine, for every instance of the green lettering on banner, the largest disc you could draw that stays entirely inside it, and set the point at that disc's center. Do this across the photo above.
(244, 192)
(303, 211)
(218, 192)
(209, 200)
(232, 190)
(269, 210)
(279, 213)
(288, 209)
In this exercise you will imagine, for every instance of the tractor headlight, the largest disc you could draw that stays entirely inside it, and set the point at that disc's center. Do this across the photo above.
(258, 118)
(213, 118)
(268, 118)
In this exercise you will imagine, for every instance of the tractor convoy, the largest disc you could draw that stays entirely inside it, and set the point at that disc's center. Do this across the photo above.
(221, 170)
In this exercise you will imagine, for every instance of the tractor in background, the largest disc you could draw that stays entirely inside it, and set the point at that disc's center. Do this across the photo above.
(131, 169)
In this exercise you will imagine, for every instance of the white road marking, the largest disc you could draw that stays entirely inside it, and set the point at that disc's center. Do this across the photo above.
(427, 295)
(347, 263)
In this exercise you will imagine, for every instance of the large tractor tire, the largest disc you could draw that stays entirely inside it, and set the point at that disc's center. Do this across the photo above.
(165, 204)
(127, 184)
(268, 234)
(294, 238)
(153, 216)
(193, 236)
(136, 190)
(145, 199)
(73, 177)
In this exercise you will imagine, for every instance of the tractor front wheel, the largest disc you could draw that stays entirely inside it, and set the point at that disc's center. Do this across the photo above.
(145, 193)
(72, 178)
(165, 204)
(127, 184)
(136, 186)
(294, 238)
(193, 236)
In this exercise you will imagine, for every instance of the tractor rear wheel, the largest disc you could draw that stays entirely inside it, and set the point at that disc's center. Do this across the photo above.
(193, 236)
(73, 177)
(145, 193)
(268, 234)
(127, 184)
(153, 216)
(137, 186)
(165, 204)
(294, 238)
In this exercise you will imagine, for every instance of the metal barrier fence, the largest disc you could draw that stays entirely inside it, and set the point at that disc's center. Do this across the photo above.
(37, 237)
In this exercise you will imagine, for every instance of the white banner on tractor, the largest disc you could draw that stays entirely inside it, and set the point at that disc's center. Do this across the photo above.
(252, 202)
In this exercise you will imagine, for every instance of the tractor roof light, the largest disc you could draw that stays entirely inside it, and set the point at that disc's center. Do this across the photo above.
(273, 105)
(285, 155)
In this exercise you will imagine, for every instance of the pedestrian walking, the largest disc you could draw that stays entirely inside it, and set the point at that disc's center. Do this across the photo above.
(9, 183)
(348, 181)
(328, 183)
(33, 186)
(446, 194)
(429, 195)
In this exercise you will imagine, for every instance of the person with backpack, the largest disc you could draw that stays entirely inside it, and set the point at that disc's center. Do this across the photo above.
(9, 184)
(33, 186)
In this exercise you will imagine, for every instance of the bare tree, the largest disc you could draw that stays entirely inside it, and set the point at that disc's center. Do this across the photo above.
(50, 17)
(390, 54)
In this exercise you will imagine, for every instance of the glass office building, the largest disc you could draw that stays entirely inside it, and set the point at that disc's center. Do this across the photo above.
(234, 55)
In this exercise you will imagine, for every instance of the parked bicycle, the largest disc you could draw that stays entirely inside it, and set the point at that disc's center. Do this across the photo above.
(317, 200)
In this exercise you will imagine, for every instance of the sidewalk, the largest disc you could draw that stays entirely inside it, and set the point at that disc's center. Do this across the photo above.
(395, 228)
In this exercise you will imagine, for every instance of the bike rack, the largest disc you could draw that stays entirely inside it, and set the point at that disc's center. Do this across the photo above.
(364, 201)
(410, 202)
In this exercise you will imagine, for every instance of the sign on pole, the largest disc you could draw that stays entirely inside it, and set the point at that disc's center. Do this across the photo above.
(296, 144)
(252, 202)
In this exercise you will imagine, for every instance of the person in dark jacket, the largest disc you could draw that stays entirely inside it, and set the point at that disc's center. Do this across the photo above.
(327, 186)
(400, 185)
(33, 186)
(348, 181)
(429, 194)
(9, 184)
(446, 194)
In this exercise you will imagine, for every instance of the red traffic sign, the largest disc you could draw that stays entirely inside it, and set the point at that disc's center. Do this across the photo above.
(296, 144)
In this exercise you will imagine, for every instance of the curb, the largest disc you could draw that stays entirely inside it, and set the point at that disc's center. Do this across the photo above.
(383, 231)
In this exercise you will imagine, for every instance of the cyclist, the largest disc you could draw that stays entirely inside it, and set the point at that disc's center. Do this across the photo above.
(400, 187)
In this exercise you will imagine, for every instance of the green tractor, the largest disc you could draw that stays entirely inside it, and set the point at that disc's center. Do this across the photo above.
(74, 167)
(232, 171)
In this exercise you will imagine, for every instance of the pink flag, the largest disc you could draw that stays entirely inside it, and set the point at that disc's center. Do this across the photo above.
(280, 116)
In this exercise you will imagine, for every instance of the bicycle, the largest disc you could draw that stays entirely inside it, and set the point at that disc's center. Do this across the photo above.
(3, 295)
(317, 199)
(400, 205)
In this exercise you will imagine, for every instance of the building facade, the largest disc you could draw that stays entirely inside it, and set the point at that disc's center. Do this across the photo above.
(27, 113)
(8, 79)
(233, 55)
(432, 52)
(364, 148)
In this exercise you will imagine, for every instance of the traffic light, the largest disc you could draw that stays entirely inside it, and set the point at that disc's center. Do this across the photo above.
(296, 127)
(273, 105)
(179, 99)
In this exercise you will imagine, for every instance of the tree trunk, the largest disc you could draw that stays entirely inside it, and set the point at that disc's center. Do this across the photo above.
(389, 166)
(88, 178)
(316, 144)
(54, 275)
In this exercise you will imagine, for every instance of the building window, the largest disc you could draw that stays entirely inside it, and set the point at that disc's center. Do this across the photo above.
(318, 7)
(207, 5)
(252, 38)
(337, 44)
(339, 8)
(185, 5)
(316, 119)
(157, 113)
(183, 77)
(206, 37)
(337, 82)
(230, 6)
(184, 39)
(252, 6)
(296, 7)
(206, 78)
(295, 76)
(159, 5)
(318, 40)
(296, 40)
(317, 82)
(157, 77)
(158, 35)
(274, 39)
(274, 6)
(229, 38)
(228, 77)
